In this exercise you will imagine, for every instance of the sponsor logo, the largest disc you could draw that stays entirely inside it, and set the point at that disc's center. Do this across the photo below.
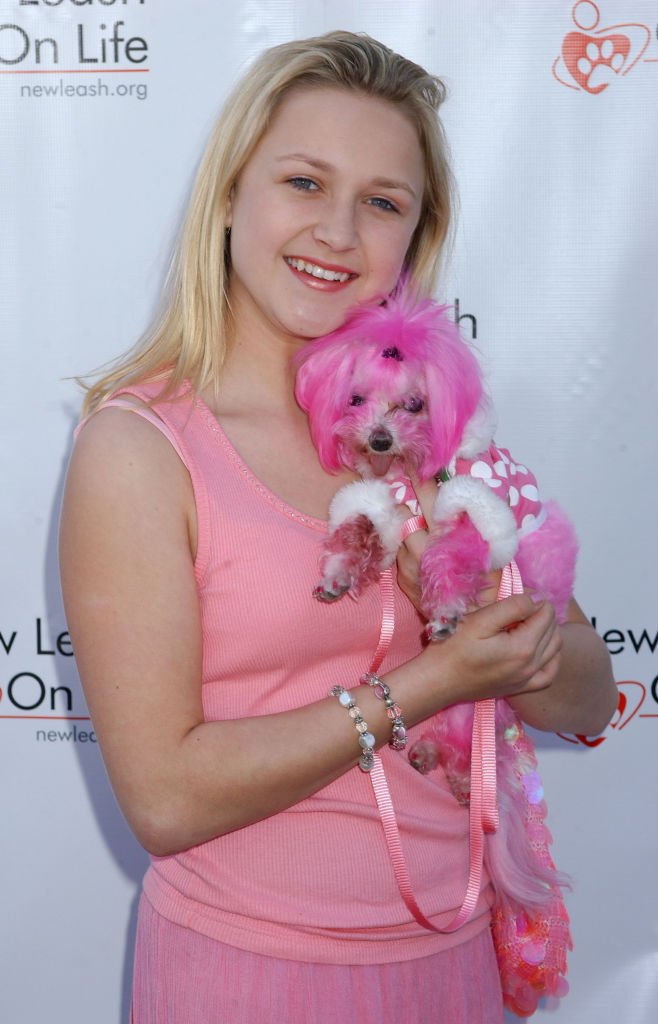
(75, 37)
(593, 57)
(29, 695)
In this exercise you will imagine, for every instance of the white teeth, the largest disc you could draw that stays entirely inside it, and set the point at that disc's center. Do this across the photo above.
(316, 271)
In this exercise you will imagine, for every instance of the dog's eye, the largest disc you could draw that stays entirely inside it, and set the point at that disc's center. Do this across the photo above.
(414, 404)
(357, 400)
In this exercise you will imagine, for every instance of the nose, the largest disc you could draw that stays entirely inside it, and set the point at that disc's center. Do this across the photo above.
(336, 225)
(380, 441)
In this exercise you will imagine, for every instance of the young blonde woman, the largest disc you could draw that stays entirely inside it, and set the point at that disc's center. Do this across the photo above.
(193, 510)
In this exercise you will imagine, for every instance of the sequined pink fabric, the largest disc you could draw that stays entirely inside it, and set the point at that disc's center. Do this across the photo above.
(532, 947)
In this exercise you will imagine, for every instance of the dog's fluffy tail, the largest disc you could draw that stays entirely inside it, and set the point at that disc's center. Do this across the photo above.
(516, 856)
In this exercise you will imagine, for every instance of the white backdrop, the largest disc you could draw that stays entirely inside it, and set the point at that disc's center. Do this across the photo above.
(104, 108)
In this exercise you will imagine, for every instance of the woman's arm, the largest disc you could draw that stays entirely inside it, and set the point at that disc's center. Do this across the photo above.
(127, 548)
(582, 697)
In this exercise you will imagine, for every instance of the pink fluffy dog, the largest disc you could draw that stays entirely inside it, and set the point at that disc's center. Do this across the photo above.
(394, 391)
(397, 391)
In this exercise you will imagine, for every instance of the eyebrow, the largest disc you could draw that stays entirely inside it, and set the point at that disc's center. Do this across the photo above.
(322, 165)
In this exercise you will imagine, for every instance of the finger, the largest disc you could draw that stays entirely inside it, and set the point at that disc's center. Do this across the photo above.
(491, 588)
(548, 646)
(415, 542)
(511, 611)
(543, 655)
(543, 677)
(426, 494)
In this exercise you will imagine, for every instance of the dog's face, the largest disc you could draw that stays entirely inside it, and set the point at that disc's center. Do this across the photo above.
(385, 423)
(396, 385)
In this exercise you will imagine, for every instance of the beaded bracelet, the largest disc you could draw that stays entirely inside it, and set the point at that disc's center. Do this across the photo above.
(366, 739)
(398, 738)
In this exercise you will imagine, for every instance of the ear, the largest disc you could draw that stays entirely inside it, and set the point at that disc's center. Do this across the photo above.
(454, 389)
(479, 431)
(323, 389)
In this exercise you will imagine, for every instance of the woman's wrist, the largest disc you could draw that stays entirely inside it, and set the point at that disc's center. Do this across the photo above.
(367, 739)
(425, 684)
(382, 691)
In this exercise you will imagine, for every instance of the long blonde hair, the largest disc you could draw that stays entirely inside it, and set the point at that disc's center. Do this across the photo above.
(188, 340)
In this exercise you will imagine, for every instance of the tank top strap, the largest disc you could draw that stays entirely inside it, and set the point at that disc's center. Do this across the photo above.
(146, 413)
(171, 417)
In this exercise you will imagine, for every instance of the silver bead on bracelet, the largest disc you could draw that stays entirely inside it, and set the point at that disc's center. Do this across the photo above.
(398, 738)
(366, 739)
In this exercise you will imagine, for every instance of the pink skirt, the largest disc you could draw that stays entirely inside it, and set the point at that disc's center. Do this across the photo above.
(183, 977)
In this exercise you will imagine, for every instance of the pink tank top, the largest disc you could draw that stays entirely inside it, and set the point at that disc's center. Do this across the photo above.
(314, 882)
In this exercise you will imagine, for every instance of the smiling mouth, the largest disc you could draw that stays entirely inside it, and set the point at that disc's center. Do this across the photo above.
(314, 270)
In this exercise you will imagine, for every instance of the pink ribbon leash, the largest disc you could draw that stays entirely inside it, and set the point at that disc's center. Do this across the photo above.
(484, 816)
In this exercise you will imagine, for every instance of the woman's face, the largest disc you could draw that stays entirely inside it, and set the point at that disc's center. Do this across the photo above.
(323, 212)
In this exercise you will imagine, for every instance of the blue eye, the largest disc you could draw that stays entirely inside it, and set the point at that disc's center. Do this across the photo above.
(357, 400)
(303, 184)
(383, 204)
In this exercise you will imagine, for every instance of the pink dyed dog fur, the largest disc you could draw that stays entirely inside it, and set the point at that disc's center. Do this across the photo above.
(397, 391)
(347, 363)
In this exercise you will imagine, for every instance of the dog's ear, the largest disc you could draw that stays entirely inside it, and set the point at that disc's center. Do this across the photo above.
(454, 391)
(323, 388)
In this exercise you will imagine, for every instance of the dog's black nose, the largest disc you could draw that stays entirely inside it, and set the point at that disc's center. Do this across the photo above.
(380, 440)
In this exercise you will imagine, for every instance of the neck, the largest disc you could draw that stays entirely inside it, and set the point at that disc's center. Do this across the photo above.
(258, 367)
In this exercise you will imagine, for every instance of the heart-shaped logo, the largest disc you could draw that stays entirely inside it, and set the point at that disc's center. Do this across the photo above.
(593, 61)
(632, 696)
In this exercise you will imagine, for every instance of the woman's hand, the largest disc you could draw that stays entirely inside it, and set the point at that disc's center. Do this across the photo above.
(411, 550)
(504, 649)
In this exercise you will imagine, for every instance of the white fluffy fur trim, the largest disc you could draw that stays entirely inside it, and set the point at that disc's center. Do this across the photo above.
(492, 518)
(371, 498)
(479, 431)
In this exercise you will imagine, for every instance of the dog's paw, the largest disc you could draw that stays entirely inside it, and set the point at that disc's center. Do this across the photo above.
(352, 558)
(452, 573)
(341, 572)
(424, 756)
(329, 591)
(441, 627)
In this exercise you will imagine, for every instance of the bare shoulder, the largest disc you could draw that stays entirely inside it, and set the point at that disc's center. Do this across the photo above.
(117, 440)
(128, 522)
(122, 464)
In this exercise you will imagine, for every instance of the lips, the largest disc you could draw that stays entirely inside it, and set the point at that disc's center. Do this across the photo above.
(318, 274)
